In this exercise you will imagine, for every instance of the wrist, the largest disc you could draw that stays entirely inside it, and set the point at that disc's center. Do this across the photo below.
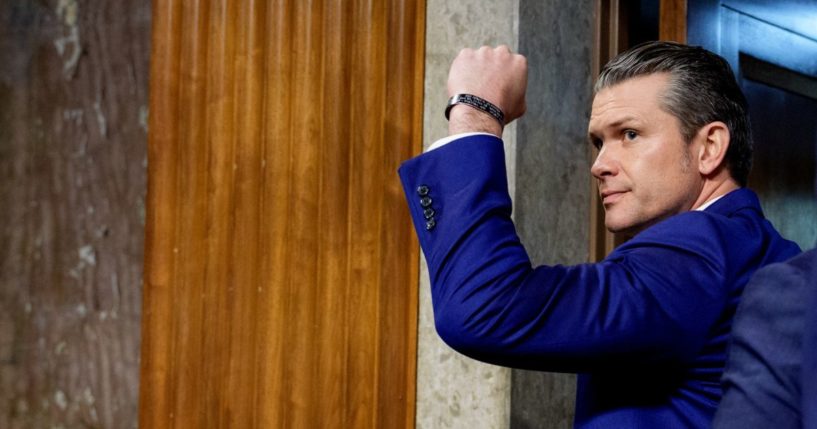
(466, 119)
(478, 103)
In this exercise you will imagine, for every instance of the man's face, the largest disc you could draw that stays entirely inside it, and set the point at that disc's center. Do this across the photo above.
(646, 172)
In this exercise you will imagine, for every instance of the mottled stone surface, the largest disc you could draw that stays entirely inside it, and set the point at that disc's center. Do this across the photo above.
(552, 174)
(454, 391)
(73, 158)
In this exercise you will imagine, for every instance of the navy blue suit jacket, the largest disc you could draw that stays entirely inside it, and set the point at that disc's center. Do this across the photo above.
(770, 377)
(646, 328)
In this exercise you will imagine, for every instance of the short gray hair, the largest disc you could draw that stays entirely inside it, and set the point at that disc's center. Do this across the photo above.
(702, 90)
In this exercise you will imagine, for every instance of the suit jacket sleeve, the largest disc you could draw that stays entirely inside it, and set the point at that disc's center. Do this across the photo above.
(652, 301)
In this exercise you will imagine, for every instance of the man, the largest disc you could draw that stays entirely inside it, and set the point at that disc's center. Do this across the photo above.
(770, 375)
(647, 327)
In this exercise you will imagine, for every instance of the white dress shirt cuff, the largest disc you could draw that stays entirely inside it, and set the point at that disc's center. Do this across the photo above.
(444, 141)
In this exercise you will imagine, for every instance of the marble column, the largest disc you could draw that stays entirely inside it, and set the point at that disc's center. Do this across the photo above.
(548, 163)
(552, 203)
(454, 391)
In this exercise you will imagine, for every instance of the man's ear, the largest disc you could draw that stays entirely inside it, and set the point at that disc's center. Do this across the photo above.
(714, 138)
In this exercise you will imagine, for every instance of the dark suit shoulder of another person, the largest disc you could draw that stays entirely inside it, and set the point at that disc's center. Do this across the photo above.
(763, 380)
(808, 372)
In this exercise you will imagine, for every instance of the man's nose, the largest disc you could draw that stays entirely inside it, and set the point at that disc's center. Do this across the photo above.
(604, 165)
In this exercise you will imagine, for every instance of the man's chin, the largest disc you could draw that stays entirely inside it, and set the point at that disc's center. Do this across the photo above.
(624, 230)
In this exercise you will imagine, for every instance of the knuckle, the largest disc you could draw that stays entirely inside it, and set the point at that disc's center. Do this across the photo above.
(464, 52)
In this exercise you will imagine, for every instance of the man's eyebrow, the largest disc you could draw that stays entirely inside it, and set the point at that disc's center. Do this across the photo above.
(625, 120)
(617, 123)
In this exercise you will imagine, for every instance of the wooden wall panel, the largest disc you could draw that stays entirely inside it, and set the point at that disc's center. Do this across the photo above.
(672, 24)
(280, 268)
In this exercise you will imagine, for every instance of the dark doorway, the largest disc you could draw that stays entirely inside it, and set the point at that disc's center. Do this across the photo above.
(773, 52)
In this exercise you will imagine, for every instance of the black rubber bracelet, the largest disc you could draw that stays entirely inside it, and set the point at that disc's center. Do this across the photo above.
(477, 103)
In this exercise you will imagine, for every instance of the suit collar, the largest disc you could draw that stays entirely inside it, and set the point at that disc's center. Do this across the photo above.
(739, 199)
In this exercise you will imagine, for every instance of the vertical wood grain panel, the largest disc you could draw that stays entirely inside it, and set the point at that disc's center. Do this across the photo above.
(302, 219)
(672, 24)
(362, 294)
(219, 147)
(333, 255)
(281, 267)
(156, 349)
(403, 27)
(274, 350)
(189, 237)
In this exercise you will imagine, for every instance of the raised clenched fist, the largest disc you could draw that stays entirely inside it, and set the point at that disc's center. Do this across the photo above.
(495, 74)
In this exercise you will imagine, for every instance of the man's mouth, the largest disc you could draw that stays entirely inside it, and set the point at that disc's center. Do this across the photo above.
(610, 197)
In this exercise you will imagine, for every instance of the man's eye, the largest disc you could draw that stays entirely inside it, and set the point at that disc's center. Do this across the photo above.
(630, 135)
(596, 143)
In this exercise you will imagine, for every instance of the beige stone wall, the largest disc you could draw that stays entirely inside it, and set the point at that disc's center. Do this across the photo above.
(454, 391)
